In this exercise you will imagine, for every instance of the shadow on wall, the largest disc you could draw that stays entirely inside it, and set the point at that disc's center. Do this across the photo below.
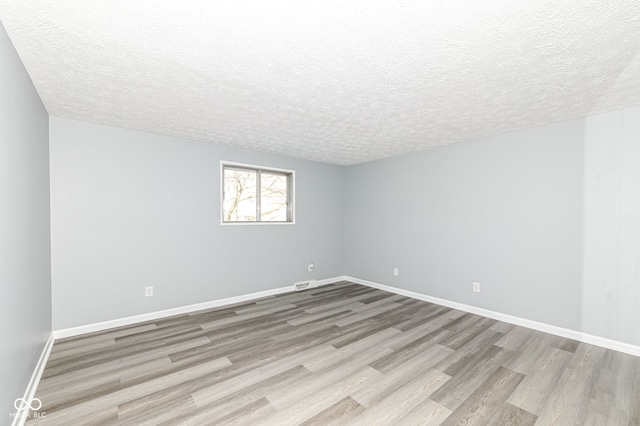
(611, 289)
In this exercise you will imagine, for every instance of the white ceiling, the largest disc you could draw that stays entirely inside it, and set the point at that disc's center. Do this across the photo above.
(337, 81)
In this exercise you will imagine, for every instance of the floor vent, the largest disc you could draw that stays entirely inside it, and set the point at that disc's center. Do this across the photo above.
(303, 285)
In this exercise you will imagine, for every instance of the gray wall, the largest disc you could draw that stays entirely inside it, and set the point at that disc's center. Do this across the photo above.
(505, 211)
(25, 270)
(545, 219)
(611, 291)
(131, 209)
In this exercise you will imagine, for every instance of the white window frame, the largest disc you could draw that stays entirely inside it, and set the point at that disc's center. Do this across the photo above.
(254, 167)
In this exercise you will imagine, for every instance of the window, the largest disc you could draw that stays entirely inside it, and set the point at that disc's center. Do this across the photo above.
(252, 194)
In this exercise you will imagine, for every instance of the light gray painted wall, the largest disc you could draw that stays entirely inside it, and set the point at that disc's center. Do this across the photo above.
(611, 292)
(131, 209)
(505, 211)
(25, 268)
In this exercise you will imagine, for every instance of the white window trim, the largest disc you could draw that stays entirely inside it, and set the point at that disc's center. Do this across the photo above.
(224, 163)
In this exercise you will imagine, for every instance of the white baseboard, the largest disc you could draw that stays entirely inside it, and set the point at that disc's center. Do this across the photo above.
(152, 316)
(331, 280)
(535, 325)
(30, 392)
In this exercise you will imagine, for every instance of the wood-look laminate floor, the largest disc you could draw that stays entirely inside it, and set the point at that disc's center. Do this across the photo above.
(340, 354)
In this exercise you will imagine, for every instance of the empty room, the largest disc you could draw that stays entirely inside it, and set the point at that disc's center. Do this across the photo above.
(319, 213)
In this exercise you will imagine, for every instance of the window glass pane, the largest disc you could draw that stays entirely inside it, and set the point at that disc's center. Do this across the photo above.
(273, 200)
(239, 195)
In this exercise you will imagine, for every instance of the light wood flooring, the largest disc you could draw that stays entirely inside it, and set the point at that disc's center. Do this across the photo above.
(341, 354)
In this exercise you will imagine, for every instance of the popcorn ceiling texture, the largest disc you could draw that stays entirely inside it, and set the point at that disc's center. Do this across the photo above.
(341, 82)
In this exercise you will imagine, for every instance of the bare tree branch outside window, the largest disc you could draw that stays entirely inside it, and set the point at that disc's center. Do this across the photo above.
(256, 195)
(273, 191)
(240, 195)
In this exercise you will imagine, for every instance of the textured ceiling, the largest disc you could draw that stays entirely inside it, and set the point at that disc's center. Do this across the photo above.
(335, 81)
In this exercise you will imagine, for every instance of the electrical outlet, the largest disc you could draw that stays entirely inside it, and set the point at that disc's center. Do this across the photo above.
(310, 267)
(396, 272)
(148, 291)
(476, 287)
